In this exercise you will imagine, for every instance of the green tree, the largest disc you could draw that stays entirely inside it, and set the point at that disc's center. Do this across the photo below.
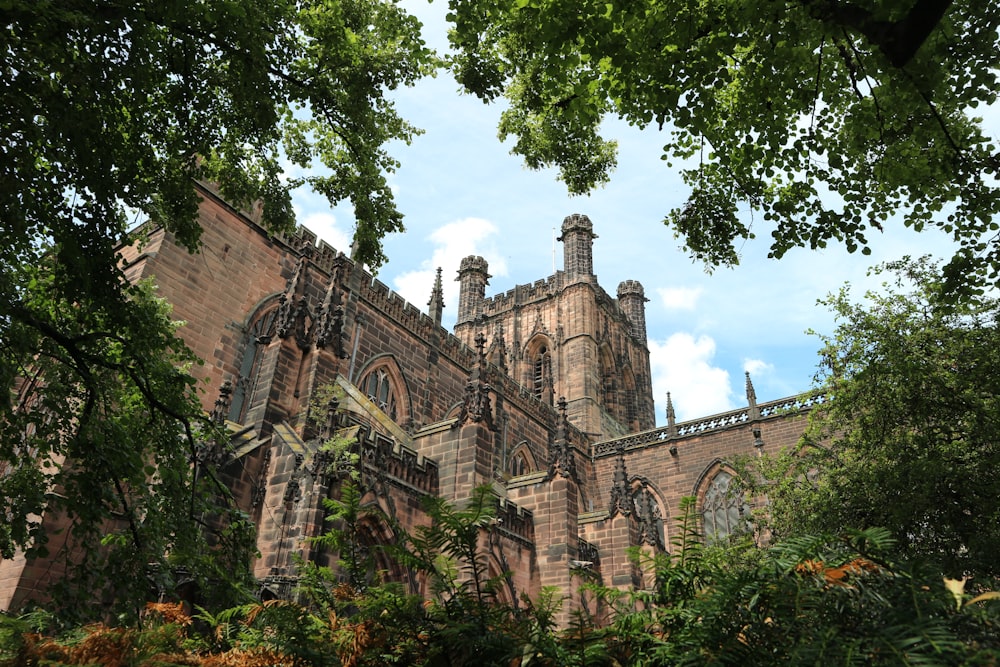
(826, 117)
(107, 431)
(909, 439)
(111, 109)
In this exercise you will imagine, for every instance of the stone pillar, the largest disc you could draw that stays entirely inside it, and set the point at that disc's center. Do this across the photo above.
(473, 279)
(557, 534)
(578, 241)
(632, 299)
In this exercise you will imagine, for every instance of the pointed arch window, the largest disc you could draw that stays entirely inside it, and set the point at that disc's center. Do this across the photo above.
(260, 334)
(377, 386)
(541, 374)
(518, 465)
(631, 400)
(724, 509)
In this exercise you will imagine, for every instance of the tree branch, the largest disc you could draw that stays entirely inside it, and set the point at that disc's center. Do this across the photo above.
(898, 40)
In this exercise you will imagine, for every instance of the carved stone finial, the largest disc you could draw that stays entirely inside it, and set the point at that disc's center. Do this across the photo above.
(223, 402)
(287, 311)
(500, 347)
(671, 418)
(751, 398)
(621, 499)
(303, 332)
(476, 405)
(563, 460)
(330, 320)
(436, 304)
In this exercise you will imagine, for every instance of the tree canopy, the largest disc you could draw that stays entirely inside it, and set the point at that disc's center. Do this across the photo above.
(910, 440)
(830, 119)
(111, 110)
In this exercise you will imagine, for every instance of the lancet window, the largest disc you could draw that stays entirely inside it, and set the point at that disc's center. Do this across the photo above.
(541, 378)
(260, 334)
(723, 508)
(377, 386)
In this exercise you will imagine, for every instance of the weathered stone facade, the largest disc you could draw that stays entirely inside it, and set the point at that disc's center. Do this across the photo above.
(544, 392)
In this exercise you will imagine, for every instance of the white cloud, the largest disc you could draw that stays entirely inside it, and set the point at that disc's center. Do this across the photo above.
(679, 298)
(757, 367)
(453, 242)
(682, 365)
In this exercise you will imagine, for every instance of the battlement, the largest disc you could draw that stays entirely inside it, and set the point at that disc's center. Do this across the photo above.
(524, 294)
(382, 455)
(378, 295)
(515, 522)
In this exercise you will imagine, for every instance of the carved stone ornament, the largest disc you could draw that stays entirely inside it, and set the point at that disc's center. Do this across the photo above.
(563, 461)
(476, 404)
(621, 499)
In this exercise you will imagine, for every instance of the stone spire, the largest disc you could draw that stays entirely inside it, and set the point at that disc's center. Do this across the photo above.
(671, 417)
(751, 398)
(473, 277)
(436, 304)
(632, 299)
(578, 246)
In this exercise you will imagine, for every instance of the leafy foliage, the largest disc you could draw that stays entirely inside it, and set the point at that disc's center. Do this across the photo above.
(809, 600)
(112, 109)
(911, 438)
(826, 117)
(106, 433)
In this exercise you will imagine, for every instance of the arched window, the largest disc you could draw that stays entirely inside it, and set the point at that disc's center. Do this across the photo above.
(377, 386)
(631, 401)
(260, 334)
(609, 381)
(518, 465)
(541, 375)
(723, 508)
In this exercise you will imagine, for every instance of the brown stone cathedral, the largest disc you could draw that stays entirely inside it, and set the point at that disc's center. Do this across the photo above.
(543, 392)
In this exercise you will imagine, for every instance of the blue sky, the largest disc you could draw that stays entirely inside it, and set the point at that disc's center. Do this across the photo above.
(462, 193)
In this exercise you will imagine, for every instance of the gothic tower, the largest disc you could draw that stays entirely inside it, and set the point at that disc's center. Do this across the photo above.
(568, 337)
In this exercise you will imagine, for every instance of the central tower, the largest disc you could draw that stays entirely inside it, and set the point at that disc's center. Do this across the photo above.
(564, 336)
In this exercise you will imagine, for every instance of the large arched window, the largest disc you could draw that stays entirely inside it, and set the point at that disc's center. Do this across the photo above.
(377, 385)
(631, 400)
(541, 372)
(259, 335)
(609, 381)
(723, 508)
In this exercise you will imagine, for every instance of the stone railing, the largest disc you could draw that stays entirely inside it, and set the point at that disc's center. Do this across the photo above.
(719, 422)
